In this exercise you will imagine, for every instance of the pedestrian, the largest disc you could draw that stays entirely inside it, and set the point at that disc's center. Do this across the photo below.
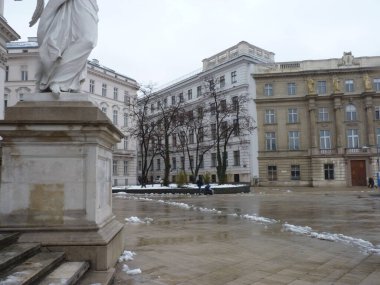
(199, 184)
(371, 182)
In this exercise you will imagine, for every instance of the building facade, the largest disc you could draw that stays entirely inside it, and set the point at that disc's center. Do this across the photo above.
(318, 121)
(111, 91)
(231, 70)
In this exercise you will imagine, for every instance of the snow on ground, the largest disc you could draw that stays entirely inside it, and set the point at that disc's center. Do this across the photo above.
(173, 185)
(126, 256)
(255, 218)
(363, 245)
(137, 220)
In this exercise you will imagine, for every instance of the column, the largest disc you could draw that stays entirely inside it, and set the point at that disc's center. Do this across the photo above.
(312, 127)
(338, 124)
(371, 140)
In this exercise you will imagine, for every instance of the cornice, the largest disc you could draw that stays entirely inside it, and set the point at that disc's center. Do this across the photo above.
(7, 32)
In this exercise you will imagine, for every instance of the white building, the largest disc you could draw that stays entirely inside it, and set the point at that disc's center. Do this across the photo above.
(232, 69)
(111, 92)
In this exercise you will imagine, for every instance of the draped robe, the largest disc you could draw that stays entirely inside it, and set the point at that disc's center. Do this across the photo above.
(67, 33)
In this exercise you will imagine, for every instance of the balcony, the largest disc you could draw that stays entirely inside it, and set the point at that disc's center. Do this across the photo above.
(358, 151)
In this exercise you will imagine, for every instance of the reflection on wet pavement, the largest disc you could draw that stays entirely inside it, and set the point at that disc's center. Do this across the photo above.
(193, 238)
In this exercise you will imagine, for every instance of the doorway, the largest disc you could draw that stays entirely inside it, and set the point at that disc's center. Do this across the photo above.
(358, 173)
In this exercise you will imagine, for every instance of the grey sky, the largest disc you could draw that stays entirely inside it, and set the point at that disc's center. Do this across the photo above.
(160, 40)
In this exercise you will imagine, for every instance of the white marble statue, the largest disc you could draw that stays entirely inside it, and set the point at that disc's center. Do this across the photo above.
(67, 33)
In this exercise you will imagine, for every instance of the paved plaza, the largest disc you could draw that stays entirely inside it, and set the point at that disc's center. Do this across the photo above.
(269, 236)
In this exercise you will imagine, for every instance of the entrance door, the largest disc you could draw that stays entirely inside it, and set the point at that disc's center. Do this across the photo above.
(358, 173)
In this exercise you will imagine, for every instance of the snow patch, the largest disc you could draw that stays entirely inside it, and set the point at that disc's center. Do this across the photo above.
(136, 220)
(126, 256)
(129, 271)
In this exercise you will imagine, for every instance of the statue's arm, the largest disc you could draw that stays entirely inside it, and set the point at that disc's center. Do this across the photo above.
(52, 6)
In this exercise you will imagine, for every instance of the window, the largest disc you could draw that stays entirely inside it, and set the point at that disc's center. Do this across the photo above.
(329, 171)
(199, 91)
(295, 173)
(213, 159)
(115, 93)
(294, 140)
(191, 136)
(140, 165)
(21, 96)
(351, 113)
(189, 94)
(125, 167)
(323, 114)
(235, 103)
(349, 85)
(126, 98)
(270, 141)
(268, 89)
(104, 90)
(174, 163)
(115, 115)
(151, 108)
(200, 134)
(223, 105)
(222, 81)
(125, 120)
(104, 110)
(376, 84)
(378, 137)
(226, 155)
(201, 162)
(291, 88)
(236, 128)
(324, 139)
(233, 77)
(158, 164)
(165, 102)
(173, 100)
(236, 157)
(213, 131)
(200, 112)
(212, 109)
(92, 86)
(272, 172)
(191, 161)
(182, 162)
(125, 143)
(377, 112)
(292, 115)
(270, 117)
(321, 87)
(352, 138)
(114, 167)
(174, 139)
(24, 72)
(5, 100)
(181, 99)
(7, 73)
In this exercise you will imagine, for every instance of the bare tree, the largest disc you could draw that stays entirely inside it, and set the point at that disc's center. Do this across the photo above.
(144, 130)
(228, 117)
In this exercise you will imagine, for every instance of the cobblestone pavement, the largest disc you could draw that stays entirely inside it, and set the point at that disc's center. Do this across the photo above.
(269, 236)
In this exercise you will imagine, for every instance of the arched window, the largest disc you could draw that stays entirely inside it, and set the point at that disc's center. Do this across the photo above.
(351, 114)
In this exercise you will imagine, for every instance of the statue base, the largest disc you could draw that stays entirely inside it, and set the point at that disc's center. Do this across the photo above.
(56, 177)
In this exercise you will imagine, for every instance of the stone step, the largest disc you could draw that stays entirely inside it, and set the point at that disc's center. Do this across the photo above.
(33, 269)
(8, 238)
(98, 277)
(68, 273)
(16, 253)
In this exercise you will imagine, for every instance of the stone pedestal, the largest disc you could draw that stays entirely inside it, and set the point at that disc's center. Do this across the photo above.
(56, 177)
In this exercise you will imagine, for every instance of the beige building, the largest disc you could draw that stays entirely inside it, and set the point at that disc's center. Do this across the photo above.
(110, 91)
(318, 121)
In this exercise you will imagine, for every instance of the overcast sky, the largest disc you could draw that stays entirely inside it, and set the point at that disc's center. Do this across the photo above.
(157, 41)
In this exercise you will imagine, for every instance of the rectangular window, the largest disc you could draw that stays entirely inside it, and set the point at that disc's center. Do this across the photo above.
(7, 73)
(321, 87)
(270, 117)
(233, 77)
(376, 84)
(291, 88)
(295, 172)
(115, 115)
(270, 141)
(174, 139)
(352, 138)
(126, 98)
(181, 99)
(151, 108)
(223, 105)
(268, 89)
(189, 94)
(201, 162)
(329, 171)
(272, 173)
(199, 91)
(377, 112)
(140, 165)
(125, 143)
(236, 128)
(125, 167)
(213, 131)
(104, 90)
(292, 115)
(24, 72)
(378, 137)
(200, 134)
(191, 136)
(200, 112)
(349, 85)
(222, 81)
(115, 93)
(114, 167)
(173, 100)
(294, 140)
(324, 139)
(235, 103)
(323, 114)
(212, 108)
(182, 162)
(5, 100)
(158, 165)
(237, 158)
(191, 161)
(213, 159)
(92, 86)
(125, 120)
(174, 163)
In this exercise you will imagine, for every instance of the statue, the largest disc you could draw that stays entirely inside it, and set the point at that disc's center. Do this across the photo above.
(67, 33)
(367, 83)
(310, 86)
(336, 84)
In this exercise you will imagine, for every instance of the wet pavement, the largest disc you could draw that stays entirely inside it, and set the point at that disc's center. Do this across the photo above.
(270, 236)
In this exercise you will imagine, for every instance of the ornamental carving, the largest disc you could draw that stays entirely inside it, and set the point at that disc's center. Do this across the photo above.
(348, 60)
